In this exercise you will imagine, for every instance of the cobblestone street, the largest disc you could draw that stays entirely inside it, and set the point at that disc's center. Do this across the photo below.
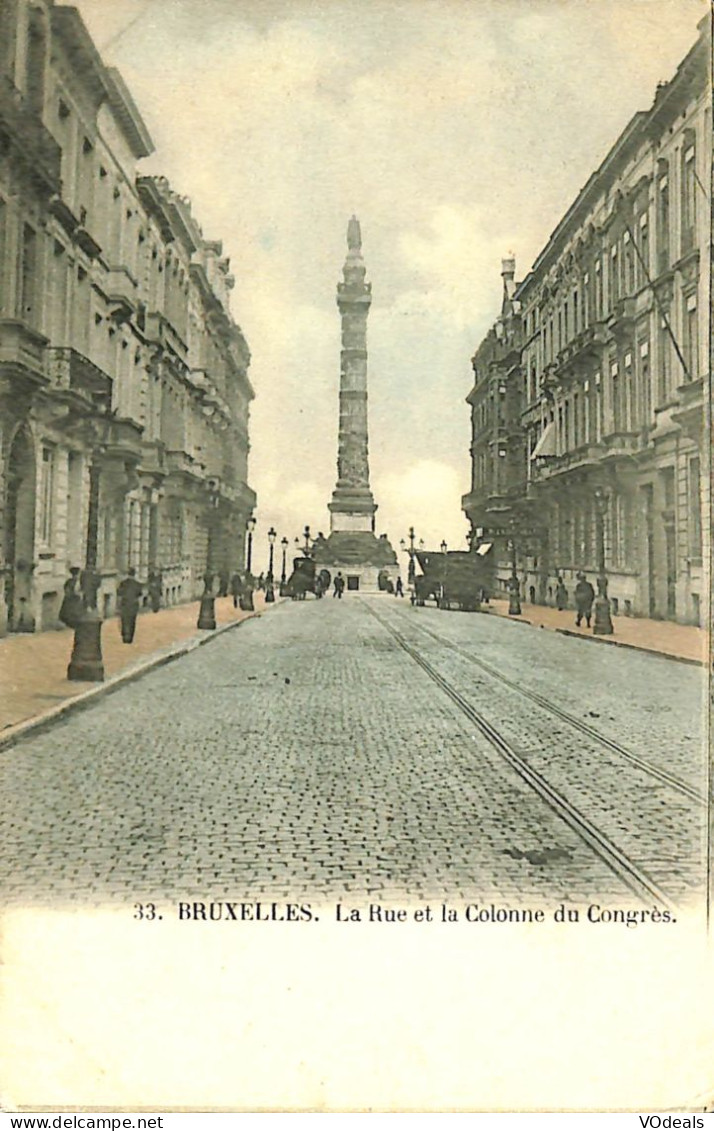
(307, 754)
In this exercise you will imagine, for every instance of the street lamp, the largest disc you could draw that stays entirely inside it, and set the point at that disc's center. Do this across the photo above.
(306, 536)
(86, 663)
(443, 547)
(514, 589)
(272, 535)
(250, 527)
(207, 607)
(602, 620)
(283, 576)
(411, 574)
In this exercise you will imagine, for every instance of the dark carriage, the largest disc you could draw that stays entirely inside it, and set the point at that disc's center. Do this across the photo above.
(458, 579)
(301, 580)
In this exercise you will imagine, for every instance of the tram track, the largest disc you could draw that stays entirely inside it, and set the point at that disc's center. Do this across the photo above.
(655, 772)
(636, 877)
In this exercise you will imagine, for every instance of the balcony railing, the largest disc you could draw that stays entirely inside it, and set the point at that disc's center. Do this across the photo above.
(584, 347)
(72, 370)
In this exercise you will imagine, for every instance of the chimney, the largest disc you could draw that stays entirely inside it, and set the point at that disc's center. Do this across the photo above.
(508, 274)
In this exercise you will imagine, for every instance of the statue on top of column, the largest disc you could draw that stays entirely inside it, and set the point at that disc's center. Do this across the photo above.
(354, 235)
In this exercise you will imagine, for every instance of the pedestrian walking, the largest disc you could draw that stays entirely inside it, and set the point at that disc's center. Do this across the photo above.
(155, 584)
(399, 588)
(72, 606)
(246, 598)
(339, 586)
(224, 579)
(584, 597)
(128, 596)
(561, 595)
(236, 588)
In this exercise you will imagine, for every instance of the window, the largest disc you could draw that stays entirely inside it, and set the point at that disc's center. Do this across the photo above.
(614, 296)
(645, 398)
(28, 276)
(663, 219)
(663, 362)
(691, 338)
(695, 508)
(616, 387)
(46, 494)
(643, 260)
(576, 313)
(36, 61)
(689, 197)
(598, 290)
(628, 264)
(3, 264)
(627, 391)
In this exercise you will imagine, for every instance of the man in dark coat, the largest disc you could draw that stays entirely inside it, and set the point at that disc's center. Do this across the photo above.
(128, 596)
(584, 597)
(72, 605)
(236, 588)
(155, 585)
(339, 586)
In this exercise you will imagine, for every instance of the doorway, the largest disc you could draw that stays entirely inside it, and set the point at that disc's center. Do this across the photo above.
(20, 533)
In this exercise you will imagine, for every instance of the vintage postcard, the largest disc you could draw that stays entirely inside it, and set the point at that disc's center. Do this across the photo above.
(355, 533)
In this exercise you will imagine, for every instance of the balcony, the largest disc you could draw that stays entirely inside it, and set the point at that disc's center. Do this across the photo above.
(584, 456)
(620, 445)
(120, 289)
(622, 316)
(22, 352)
(160, 330)
(584, 348)
(72, 371)
(30, 136)
(179, 462)
(153, 459)
(122, 439)
(689, 412)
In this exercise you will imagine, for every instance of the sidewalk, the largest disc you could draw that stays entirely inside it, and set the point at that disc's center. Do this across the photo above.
(665, 638)
(33, 667)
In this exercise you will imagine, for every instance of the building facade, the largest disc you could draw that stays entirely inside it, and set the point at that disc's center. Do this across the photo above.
(614, 368)
(124, 395)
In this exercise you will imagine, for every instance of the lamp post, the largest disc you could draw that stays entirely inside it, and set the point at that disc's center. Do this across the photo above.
(306, 536)
(443, 547)
(283, 575)
(602, 620)
(207, 607)
(86, 663)
(514, 589)
(250, 527)
(411, 573)
(272, 535)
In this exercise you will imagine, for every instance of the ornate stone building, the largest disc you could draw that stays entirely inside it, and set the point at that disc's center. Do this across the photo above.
(124, 393)
(613, 370)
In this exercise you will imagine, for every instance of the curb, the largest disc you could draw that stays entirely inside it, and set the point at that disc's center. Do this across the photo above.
(632, 647)
(85, 699)
(607, 640)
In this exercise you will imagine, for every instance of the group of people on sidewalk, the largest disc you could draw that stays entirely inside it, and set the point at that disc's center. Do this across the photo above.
(78, 597)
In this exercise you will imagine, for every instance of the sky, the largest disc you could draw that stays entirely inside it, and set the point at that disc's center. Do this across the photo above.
(458, 131)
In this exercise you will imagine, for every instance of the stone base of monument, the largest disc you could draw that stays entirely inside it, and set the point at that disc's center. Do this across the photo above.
(360, 557)
(362, 578)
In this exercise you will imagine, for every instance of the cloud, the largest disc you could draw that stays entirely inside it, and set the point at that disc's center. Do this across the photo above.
(456, 130)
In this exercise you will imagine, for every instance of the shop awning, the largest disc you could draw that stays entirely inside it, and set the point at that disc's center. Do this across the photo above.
(546, 444)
